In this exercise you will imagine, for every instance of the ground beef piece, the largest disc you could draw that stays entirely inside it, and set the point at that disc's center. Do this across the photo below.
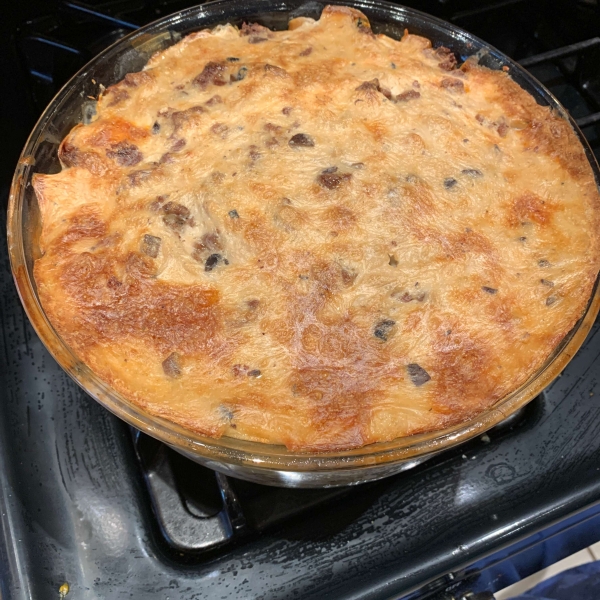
(238, 370)
(151, 245)
(254, 28)
(272, 128)
(447, 58)
(332, 181)
(374, 86)
(125, 154)
(418, 375)
(383, 329)
(176, 216)
(172, 365)
(453, 85)
(213, 260)
(212, 73)
(178, 145)
(157, 203)
(209, 241)
(135, 79)
(173, 208)
(472, 172)
(219, 129)
(116, 94)
(254, 152)
(113, 283)
(348, 276)
(404, 296)
(408, 95)
(301, 139)
(138, 177)
(449, 183)
(181, 117)
(174, 222)
(277, 71)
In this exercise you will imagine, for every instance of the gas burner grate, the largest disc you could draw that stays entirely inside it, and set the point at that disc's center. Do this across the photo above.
(199, 510)
(130, 14)
(571, 72)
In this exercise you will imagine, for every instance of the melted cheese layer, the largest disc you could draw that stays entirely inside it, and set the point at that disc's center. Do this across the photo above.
(317, 237)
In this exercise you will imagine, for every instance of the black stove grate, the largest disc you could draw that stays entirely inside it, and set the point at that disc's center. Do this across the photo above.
(571, 73)
(199, 510)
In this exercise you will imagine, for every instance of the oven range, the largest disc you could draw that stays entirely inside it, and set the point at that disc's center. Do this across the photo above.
(91, 509)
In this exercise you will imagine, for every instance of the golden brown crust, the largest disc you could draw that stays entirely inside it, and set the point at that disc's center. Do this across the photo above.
(318, 237)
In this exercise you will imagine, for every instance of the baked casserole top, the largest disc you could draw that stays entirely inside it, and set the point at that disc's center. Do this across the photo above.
(317, 237)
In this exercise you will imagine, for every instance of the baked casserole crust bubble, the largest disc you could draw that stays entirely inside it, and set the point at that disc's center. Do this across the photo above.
(319, 237)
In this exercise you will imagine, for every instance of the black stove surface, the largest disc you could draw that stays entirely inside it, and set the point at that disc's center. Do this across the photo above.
(116, 515)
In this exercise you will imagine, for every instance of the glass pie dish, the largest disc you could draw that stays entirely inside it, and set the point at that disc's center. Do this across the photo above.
(259, 462)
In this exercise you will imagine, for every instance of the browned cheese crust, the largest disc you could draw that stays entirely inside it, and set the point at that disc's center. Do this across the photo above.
(318, 237)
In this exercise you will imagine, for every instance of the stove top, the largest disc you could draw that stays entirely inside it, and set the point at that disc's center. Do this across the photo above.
(85, 501)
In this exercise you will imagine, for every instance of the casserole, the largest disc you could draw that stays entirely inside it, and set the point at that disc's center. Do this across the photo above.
(261, 462)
